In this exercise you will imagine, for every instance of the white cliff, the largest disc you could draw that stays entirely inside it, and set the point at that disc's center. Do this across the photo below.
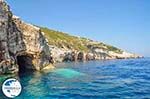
(24, 46)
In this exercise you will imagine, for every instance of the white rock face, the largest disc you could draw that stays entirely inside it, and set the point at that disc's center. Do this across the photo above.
(22, 45)
(58, 54)
(123, 55)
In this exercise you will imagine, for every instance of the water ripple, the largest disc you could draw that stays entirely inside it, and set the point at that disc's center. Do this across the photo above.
(112, 79)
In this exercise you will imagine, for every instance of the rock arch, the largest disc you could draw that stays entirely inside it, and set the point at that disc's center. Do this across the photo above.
(22, 44)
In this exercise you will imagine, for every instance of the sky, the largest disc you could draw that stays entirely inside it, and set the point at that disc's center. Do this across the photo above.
(121, 23)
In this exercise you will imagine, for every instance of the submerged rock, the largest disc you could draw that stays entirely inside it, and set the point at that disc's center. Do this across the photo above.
(67, 73)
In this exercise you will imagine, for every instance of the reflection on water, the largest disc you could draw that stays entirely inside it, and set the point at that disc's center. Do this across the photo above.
(113, 79)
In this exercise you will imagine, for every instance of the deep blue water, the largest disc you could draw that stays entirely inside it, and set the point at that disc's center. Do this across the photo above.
(111, 79)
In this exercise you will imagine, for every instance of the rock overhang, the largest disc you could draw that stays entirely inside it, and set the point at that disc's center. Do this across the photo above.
(20, 40)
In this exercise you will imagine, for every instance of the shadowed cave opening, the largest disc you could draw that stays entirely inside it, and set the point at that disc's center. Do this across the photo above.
(25, 63)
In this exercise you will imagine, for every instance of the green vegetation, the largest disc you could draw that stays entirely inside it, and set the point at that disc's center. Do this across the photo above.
(64, 40)
(112, 48)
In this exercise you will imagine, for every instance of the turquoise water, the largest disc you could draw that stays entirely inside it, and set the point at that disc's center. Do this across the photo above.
(111, 79)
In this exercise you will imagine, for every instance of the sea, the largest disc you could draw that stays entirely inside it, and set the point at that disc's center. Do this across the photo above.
(104, 79)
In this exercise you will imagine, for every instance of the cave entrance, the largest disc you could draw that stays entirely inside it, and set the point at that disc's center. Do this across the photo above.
(25, 63)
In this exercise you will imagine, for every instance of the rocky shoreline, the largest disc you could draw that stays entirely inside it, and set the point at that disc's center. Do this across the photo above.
(63, 55)
(24, 46)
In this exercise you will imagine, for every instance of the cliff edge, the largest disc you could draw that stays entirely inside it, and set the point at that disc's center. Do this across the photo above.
(22, 46)
(26, 47)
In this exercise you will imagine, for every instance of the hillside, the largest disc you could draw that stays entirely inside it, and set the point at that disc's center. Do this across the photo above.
(24, 46)
(64, 40)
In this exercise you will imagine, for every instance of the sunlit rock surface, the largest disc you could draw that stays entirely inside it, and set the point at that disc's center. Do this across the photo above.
(24, 46)
(20, 41)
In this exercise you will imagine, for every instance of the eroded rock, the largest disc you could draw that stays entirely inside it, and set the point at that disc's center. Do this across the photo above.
(22, 46)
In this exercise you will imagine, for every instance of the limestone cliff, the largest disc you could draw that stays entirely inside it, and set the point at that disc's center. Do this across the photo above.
(22, 46)
(65, 47)
(27, 47)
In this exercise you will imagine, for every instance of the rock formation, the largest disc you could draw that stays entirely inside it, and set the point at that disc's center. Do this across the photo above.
(22, 46)
(65, 55)
(26, 47)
